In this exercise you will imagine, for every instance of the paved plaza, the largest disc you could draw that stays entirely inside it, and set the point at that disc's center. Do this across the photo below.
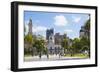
(51, 58)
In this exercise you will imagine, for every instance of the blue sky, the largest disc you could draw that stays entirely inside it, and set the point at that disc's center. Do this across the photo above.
(69, 23)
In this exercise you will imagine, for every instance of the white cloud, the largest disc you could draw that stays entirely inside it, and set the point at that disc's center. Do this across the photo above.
(38, 29)
(35, 28)
(68, 31)
(76, 19)
(60, 20)
(26, 28)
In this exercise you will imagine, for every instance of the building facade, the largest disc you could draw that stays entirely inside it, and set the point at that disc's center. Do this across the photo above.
(30, 27)
(84, 32)
(54, 42)
(59, 38)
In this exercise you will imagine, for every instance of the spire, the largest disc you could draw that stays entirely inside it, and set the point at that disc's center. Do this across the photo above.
(30, 26)
(89, 16)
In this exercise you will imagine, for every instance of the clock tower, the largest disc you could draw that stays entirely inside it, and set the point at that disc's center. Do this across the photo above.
(30, 26)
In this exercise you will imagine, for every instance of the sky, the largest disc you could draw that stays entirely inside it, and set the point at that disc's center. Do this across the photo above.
(69, 23)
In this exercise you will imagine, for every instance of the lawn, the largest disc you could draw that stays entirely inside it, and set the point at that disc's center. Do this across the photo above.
(77, 55)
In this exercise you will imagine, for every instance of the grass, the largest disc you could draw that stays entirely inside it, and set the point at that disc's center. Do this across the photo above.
(77, 55)
(27, 55)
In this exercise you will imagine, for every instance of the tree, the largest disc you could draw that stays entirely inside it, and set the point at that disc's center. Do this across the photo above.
(85, 44)
(76, 46)
(28, 41)
(64, 44)
(85, 41)
(40, 45)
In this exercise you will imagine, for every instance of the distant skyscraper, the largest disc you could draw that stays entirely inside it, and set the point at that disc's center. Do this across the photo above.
(30, 26)
(49, 32)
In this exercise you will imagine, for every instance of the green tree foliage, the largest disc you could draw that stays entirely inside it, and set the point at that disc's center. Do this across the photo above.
(85, 41)
(76, 46)
(79, 45)
(64, 44)
(28, 41)
(40, 45)
(85, 44)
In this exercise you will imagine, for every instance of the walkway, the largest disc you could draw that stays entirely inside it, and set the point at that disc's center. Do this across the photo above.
(51, 58)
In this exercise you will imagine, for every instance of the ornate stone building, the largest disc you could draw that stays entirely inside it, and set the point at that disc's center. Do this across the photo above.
(84, 32)
(30, 27)
(54, 42)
